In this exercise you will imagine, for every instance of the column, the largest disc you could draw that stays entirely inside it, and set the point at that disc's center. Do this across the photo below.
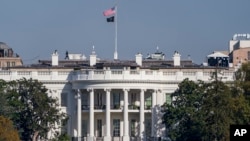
(142, 115)
(107, 137)
(153, 112)
(125, 115)
(79, 115)
(91, 115)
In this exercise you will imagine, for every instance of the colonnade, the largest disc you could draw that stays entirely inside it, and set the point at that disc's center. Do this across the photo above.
(108, 136)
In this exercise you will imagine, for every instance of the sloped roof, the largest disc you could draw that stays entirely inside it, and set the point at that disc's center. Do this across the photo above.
(4, 46)
(217, 54)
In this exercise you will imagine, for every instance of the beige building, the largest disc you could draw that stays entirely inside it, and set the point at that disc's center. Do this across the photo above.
(239, 49)
(8, 58)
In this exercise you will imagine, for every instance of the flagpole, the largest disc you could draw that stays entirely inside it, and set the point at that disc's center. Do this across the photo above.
(116, 53)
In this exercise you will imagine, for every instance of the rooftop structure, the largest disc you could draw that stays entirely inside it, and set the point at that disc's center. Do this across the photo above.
(239, 49)
(7, 57)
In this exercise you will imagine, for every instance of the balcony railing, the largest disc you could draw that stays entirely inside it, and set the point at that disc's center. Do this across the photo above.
(85, 107)
(116, 107)
(100, 107)
(133, 107)
(115, 75)
(147, 107)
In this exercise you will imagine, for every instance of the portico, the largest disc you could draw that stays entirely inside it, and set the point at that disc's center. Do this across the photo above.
(115, 113)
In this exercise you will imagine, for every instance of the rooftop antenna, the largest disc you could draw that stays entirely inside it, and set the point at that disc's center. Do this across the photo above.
(157, 48)
(93, 49)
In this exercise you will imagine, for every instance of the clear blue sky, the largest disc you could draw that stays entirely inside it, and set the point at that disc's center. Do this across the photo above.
(34, 29)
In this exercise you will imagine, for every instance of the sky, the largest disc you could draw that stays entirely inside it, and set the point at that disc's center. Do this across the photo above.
(34, 29)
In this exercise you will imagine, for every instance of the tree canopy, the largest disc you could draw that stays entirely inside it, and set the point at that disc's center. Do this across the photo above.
(204, 111)
(34, 113)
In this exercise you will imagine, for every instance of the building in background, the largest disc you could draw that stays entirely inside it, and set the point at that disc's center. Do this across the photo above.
(218, 58)
(8, 58)
(239, 49)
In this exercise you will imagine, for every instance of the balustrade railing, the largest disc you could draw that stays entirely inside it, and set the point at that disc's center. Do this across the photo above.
(116, 107)
(116, 75)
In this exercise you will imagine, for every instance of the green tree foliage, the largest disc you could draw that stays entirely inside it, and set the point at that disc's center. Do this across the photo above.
(204, 111)
(61, 137)
(243, 80)
(7, 131)
(34, 112)
(5, 109)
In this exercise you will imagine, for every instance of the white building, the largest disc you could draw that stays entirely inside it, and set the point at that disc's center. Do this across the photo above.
(114, 100)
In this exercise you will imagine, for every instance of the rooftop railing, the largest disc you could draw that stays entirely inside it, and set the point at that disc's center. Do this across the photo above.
(148, 75)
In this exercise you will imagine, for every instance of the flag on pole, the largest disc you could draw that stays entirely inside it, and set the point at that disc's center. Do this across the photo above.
(111, 19)
(109, 12)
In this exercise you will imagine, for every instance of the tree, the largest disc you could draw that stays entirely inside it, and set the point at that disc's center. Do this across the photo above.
(5, 109)
(241, 90)
(217, 108)
(243, 80)
(7, 131)
(184, 118)
(204, 111)
(35, 113)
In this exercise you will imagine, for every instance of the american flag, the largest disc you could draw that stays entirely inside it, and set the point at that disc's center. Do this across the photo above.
(109, 12)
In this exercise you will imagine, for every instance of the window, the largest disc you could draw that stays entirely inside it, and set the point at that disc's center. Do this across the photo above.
(99, 99)
(8, 64)
(85, 105)
(13, 64)
(132, 125)
(84, 128)
(133, 97)
(116, 127)
(116, 99)
(148, 102)
(64, 99)
(168, 98)
(99, 128)
(248, 55)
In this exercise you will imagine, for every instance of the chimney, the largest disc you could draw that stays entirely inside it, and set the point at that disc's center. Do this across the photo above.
(177, 58)
(138, 59)
(54, 58)
(92, 57)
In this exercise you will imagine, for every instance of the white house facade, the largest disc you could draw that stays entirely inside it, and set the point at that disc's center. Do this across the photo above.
(114, 100)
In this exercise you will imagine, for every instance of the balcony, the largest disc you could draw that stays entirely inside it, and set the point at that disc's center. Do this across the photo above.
(85, 107)
(147, 107)
(133, 107)
(100, 107)
(116, 107)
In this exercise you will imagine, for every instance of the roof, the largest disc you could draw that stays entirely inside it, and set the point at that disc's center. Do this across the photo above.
(117, 64)
(217, 54)
(4, 46)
